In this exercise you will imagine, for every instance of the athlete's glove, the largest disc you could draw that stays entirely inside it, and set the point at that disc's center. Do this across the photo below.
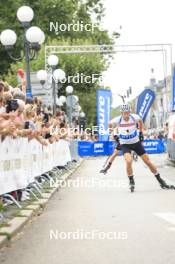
(141, 136)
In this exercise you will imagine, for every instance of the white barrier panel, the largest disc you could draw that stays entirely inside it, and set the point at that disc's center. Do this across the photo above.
(36, 154)
(27, 160)
(47, 158)
(11, 169)
(63, 156)
(74, 150)
(21, 160)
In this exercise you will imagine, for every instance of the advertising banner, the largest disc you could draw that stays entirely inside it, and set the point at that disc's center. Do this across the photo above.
(98, 148)
(154, 146)
(145, 101)
(103, 113)
(106, 148)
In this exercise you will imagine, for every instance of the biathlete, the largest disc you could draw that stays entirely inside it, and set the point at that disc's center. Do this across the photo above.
(129, 141)
(118, 148)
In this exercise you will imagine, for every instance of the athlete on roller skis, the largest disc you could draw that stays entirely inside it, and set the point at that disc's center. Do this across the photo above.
(129, 141)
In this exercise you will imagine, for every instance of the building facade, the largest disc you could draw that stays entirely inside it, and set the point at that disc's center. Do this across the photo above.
(160, 109)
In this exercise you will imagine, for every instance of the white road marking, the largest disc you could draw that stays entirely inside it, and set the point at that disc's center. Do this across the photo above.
(169, 217)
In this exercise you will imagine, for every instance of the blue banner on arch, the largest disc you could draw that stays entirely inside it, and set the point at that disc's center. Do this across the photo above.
(144, 103)
(103, 113)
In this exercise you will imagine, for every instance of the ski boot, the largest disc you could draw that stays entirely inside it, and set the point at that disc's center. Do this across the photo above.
(163, 184)
(105, 170)
(131, 184)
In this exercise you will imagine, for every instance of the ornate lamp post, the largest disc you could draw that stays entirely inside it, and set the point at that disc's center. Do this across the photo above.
(58, 75)
(33, 38)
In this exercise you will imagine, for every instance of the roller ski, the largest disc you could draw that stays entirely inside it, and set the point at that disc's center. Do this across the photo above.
(163, 184)
(106, 168)
(111, 158)
(131, 184)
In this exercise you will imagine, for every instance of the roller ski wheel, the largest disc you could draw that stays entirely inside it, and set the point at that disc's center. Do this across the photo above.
(104, 171)
(132, 187)
(163, 184)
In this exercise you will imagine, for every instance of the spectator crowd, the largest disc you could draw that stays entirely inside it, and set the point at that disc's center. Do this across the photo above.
(153, 134)
(21, 116)
(27, 117)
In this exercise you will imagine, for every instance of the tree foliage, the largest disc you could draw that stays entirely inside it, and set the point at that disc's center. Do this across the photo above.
(63, 12)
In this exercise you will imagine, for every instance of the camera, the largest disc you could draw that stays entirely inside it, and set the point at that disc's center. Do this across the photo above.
(46, 118)
(12, 105)
(27, 125)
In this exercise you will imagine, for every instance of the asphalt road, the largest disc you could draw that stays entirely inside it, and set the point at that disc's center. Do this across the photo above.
(96, 220)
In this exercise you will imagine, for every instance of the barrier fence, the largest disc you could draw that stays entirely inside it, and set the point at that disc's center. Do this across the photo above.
(102, 148)
(22, 160)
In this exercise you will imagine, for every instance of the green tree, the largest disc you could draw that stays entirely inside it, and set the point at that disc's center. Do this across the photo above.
(63, 12)
(82, 64)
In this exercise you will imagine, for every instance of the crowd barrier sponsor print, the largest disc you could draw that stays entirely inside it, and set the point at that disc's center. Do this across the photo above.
(154, 146)
(98, 148)
(101, 148)
(21, 160)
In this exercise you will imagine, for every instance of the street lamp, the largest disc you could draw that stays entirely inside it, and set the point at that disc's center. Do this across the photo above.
(63, 99)
(58, 75)
(8, 38)
(53, 61)
(76, 98)
(25, 14)
(79, 108)
(33, 38)
(82, 115)
(69, 89)
(82, 120)
(59, 102)
(70, 102)
(42, 76)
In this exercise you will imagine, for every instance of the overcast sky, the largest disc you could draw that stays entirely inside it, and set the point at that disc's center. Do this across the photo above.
(141, 22)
